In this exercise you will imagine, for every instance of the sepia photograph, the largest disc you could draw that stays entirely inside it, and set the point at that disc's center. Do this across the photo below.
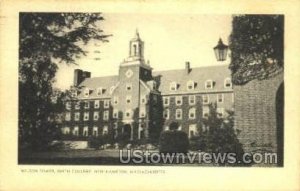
(100, 89)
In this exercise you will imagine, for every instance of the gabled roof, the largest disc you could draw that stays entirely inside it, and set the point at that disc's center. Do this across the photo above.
(105, 82)
(199, 75)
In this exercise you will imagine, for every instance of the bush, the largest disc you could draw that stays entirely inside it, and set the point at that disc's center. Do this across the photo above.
(173, 141)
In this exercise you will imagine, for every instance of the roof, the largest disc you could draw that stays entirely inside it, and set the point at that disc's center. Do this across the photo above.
(105, 82)
(198, 75)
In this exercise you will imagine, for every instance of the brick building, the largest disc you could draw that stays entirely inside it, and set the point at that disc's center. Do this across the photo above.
(141, 103)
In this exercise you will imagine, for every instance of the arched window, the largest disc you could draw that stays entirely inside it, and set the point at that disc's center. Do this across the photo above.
(134, 50)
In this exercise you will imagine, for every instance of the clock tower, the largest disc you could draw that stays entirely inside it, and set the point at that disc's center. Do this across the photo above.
(132, 90)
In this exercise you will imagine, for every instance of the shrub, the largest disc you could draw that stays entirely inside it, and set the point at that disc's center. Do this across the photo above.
(173, 141)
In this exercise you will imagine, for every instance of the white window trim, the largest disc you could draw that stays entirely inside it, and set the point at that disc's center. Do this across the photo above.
(180, 114)
(68, 116)
(222, 95)
(143, 111)
(143, 97)
(106, 103)
(179, 98)
(86, 114)
(66, 130)
(105, 115)
(190, 82)
(96, 104)
(128, 111)
(207, 99)
(68, 105)
(77, 105)
(192, 110)
(96, 116)
(95, 129)
(191, 99)
(75, 114)
(167, 112)
(209, 81)
(166, 98)
(173, 84)
(86, 92)
(225, 80)
(85, 129)
(193, 127)
(75, 129)
(105, 130)
(203, 112)
(99, 91)
(221, 111)
(116, 114)
(86, 105)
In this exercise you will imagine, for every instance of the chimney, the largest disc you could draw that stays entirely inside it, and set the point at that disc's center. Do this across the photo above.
(187, 67)
(80, 76)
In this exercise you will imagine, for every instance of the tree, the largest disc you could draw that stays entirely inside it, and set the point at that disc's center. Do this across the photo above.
(256, 44)
(45, 40)
(220, 136)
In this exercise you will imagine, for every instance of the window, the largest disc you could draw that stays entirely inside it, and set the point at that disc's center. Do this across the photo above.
(220, 112)
(128, 113)
(115, 114)
(86, 104)
(77, 116)
(178, 100)
(154, 85)
(86, 116)
(166, 100)
(116, 100)
(106, 103)
(68, 105)
(85, 131)
(128, 87)
(73, 93)
(192, 99)
(143, 112)
(192, 113)
(105, 115)
(77, 105)
(95, 131)
(205, 112)
(167, 128)
(166, 113)
(105, 130)
(96, 104)
(66, 130)
(227, 83)
(76, 131)
(86, 92)
(178, 114)
(220, 98)
(193, 130)
(128, 99)
(68, 116)
(100, 91)
(96, 115)
(205, 99)
(190, 85)
(209, 84)
(143, 99)
(173, 86)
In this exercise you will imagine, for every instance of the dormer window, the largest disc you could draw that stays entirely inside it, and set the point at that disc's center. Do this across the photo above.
(173, 86)
(209, 84)
(100, 91)
(190, 85)
(86, 92)
(227, 83)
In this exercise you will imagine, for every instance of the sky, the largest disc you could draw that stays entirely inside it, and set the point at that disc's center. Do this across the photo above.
(170, 40)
